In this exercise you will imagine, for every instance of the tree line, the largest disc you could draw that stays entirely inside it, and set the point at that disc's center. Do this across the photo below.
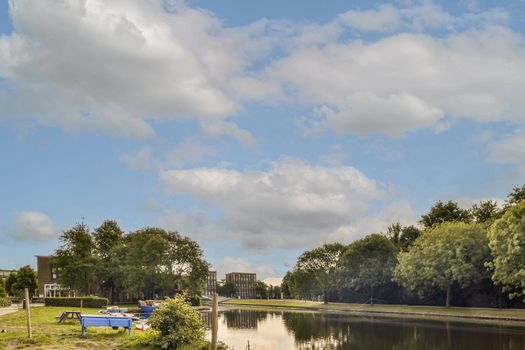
(147, 263)
(465, 257)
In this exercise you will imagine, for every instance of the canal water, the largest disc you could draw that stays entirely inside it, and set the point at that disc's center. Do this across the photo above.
(276, 330)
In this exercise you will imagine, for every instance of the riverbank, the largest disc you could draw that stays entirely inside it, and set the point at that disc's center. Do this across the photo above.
(516, 315)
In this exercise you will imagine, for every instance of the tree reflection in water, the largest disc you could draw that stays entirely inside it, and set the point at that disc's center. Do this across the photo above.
(314, 331)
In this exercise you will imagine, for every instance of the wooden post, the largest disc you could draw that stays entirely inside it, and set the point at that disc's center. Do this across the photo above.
(81, 304)
(28, 313)
(214, 321)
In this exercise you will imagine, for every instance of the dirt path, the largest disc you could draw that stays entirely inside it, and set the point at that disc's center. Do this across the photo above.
(8, 310)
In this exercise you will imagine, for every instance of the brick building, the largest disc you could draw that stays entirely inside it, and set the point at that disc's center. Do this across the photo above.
(244, 284)
(47, 278)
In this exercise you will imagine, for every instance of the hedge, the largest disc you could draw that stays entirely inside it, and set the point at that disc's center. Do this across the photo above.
(4, 302)
(94, 302)
(194, 300)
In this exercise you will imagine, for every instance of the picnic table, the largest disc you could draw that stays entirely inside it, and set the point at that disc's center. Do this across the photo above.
(105, 321)
(69, 315)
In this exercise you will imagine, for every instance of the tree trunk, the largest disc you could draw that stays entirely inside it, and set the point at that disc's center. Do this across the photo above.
(447, 304)
(325, 296)
(371, 295)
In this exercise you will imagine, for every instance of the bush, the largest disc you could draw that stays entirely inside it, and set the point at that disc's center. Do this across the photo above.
(4, 302)
(194, 300)
(94, 302)
(178, 323)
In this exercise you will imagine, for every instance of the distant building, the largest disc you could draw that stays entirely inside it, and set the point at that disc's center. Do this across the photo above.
(211, 284)
(47, 278)
(5, 273)
(244, 284)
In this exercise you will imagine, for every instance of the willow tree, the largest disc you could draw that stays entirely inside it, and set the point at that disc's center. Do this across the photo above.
(453, 252)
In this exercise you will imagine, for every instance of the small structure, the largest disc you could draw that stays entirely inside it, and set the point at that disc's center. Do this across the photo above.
(244, 284)
(5, 273)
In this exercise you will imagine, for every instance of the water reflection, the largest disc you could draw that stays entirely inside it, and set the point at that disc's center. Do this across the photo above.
(310, 331)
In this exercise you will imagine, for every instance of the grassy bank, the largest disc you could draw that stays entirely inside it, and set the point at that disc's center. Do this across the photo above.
(430, 311)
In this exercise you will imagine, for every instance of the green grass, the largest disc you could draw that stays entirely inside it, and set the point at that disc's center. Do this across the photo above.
(433, 311)
(49, 334)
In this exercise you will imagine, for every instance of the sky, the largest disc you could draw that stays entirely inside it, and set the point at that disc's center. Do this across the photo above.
(258, 129)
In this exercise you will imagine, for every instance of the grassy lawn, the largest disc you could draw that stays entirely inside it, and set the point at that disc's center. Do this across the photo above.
(49, 334)
(465, 312)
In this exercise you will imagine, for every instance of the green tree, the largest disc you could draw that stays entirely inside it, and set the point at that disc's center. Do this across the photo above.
(507, 243)
(107, 238)
(76, 260)
(3, 293)
(178, 323)
(158, 262)
(286, 286)
(408, 236)
(261, 290)
(444, 212)
(486, 212)
(226, 289)
(9, 283)
(25, 278)
(453, 252)
(516, 196)
(367, 263)
(320, 263)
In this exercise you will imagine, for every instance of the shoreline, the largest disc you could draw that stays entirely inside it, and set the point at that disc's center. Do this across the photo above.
(428, 312)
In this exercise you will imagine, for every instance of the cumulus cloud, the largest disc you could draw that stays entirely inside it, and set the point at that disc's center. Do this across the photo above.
(107, 66)
(229, 264)
(113, 66)
(291, 204)
(31, 226)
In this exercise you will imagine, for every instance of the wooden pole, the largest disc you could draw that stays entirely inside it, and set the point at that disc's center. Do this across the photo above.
(81, 305)
(214, 321)
(28, 313)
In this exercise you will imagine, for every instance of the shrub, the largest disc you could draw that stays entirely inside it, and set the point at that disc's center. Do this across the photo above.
(94, 302)
(194, 300)
(178, 323)
(5, 302)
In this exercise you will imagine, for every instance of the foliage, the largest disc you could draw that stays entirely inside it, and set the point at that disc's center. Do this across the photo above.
(444, 212)
(3, 293)
(286, 285)
(516, 196)
(486, 212)
(226, 289)
(106, 239)
(94, 302)
(449, 253)
(10, 282)
(261, 290)
(178, 323)
(507, 244)
(402, 237)
(25, 277)
(4, 302)
(320, 264)
(367, 263)
(157, 262)
(76, 261)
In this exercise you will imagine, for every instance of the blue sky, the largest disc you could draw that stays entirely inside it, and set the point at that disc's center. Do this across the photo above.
(257, 129)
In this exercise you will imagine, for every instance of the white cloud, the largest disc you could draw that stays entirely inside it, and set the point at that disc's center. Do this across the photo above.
(222, 128)
(230, 264)
(32, 226)
(107, 66)
(336, 156)
(140, 160)
(292, 204)
(408, 81)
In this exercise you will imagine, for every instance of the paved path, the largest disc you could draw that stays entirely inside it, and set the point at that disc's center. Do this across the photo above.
(8, 310)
